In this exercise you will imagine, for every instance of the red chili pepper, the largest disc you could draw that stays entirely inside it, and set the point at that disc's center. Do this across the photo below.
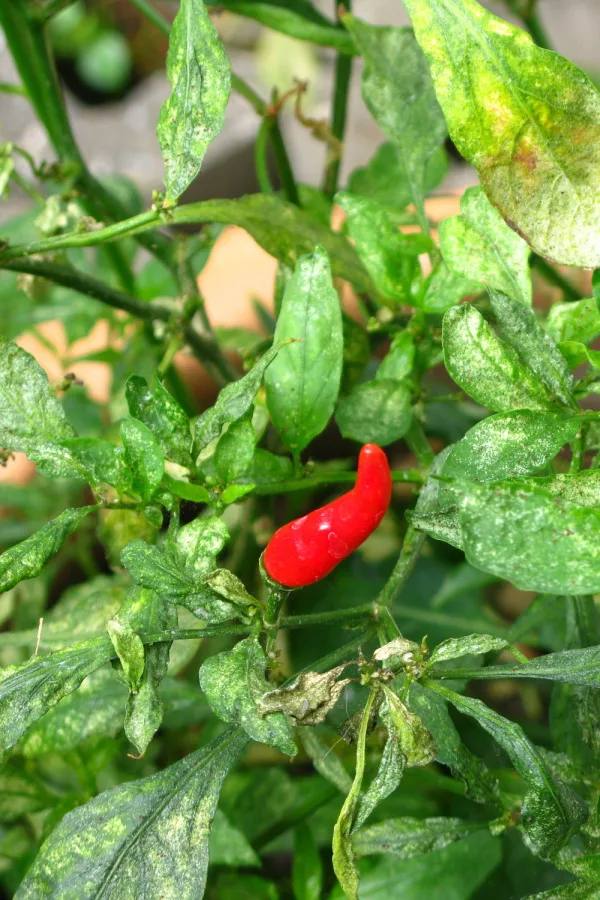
(307, 549)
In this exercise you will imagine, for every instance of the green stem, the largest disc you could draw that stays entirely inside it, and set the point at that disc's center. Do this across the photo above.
(288, 182)
(6, 88)
(348, 616)
(343, 74)
(261, 155)
(153, 15)
(405, 476)
(204, 347)
(418, 443)
(549, 273)
(411, 548)
(578, 449)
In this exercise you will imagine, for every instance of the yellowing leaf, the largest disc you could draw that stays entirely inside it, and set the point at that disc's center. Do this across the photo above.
(527, 119)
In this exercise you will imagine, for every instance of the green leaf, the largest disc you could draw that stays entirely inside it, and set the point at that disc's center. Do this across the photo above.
(147, 612)
(228, 846)
(234, 886)
(577, 890)
(299, 19)
(324, 759)
(30, 414)
(456, 872)
(480, 784)
(165, 418)
(307, 868)
(520, 328)
(471, 645)
(303, 382)
(27, 559)
(129, 649)
(21, 794)
(234, 681)
(143, 456)
(579, 321)
(414, 740)
(535, 151)
(200, 76)
(385, 179)
(578, 667)
(480, 246)
(409, 837)
(378, 411)
(104, 847)
(27, 691)
(96, 708)
(486, 368)
(344, 864)
(389, 775)
(179, 572)
(536, 541)
(267, 468)
(552, 812)
(399, 360)
(575, 709)
(235, 449)
(233, 401)
(507, 445)
(98, 461)
(389, 256)
(397, 89)
(443, 289)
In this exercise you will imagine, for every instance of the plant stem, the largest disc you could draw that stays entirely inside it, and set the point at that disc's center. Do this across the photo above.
(343, 74)
(411, 548)
(6, 88)
(261, 155)
(418, 443)
(351, 615)
(204, 347)
(288, 182)
(406, 476)
(549, 273)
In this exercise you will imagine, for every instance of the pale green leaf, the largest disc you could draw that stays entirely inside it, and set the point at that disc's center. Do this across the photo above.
(30, 414)
(200, 76)
(378, 411)
(507, 445)
(579, 321)
(324, 759)
(145, 838)
(480, 246)
(389, 256)
(520, 328)
(163, 415)
(233, 682)
(552, 812)
(399, 360)
(486, 368)
(398, 91)
(480, 784)
(536, 541)
(27, 691)
(455, 872)
(443, 289)
(233, 401)
(527, 119)
(303, 382)
(384, 179)
(409, 837)
(235, 449)
(143, 456)
(27, 559)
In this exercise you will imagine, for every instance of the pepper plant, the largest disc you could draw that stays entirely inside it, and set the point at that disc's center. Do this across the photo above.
(177, 721)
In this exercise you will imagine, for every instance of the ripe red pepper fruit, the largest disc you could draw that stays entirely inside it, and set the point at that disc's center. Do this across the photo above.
(307, 549)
